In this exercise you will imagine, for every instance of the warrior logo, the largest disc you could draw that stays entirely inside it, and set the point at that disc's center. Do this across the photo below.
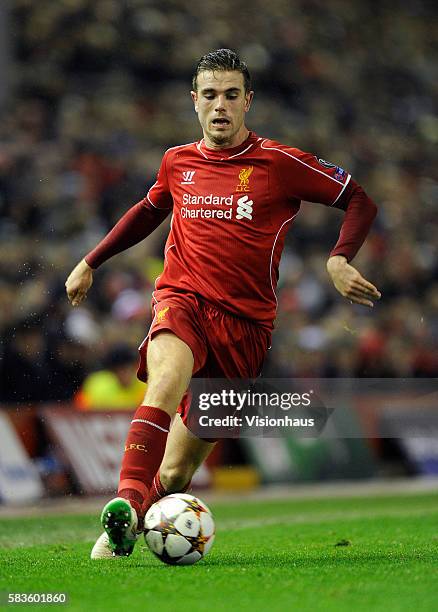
(244, 175)
(188, 177)
(244, 208)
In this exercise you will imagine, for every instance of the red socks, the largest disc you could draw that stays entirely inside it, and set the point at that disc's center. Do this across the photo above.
(157, 491)
(144, 450)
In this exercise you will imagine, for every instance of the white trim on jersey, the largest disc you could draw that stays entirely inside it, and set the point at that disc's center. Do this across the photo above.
(241, 152)
(158, 277)
(272, 257)
(301, 162)
(167, 250)
(188, 144)
(342, 190)
(198, 146)
(150, 201)
(150, 189)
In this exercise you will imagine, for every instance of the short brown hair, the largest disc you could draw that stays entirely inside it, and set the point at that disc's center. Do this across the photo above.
(222, 59)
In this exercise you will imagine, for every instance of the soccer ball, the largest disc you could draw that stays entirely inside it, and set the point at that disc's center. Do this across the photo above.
(179, 529)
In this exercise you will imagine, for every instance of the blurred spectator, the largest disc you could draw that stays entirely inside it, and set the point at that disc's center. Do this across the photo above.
(30, 372)
(116, 387)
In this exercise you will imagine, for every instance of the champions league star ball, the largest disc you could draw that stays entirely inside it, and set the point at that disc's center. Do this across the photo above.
(179, 529)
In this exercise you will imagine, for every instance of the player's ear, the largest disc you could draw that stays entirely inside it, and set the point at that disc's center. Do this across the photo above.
(195, 99)
(248, 100)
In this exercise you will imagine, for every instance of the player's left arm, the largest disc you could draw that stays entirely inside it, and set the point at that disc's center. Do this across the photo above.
(303, 176)
(360, 212)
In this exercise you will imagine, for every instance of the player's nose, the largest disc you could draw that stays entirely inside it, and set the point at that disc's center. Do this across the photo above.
(220, 104)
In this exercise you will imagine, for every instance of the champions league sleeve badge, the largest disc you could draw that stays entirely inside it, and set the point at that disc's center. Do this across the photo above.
(340, 173)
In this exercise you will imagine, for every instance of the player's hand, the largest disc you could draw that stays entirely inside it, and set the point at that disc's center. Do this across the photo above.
(350, 283)
(78, 283)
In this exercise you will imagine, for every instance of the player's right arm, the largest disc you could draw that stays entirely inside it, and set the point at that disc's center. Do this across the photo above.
(135, 225)
(303, 176)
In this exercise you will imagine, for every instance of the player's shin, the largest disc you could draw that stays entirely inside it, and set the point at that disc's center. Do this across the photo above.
(144, 450)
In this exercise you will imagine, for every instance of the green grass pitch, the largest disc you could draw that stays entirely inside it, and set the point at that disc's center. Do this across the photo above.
(374, 553)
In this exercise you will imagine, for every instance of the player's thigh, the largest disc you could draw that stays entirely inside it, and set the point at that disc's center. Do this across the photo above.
(184, 454)
(169, 367)
(238, 347)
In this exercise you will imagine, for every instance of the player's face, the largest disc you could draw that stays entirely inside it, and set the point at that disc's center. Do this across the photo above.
(221, 104)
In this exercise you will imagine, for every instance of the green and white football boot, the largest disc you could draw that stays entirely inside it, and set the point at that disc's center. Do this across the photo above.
(119, 519)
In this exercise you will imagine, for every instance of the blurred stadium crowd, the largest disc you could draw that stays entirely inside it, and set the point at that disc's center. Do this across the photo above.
(100, 89)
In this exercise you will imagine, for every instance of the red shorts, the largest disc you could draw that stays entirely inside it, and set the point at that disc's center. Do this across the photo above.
(223, 345)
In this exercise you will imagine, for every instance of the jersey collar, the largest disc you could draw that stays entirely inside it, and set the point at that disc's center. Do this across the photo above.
(223, 154)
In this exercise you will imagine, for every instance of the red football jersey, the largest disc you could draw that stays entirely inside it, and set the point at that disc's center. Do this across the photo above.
(231, 209)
